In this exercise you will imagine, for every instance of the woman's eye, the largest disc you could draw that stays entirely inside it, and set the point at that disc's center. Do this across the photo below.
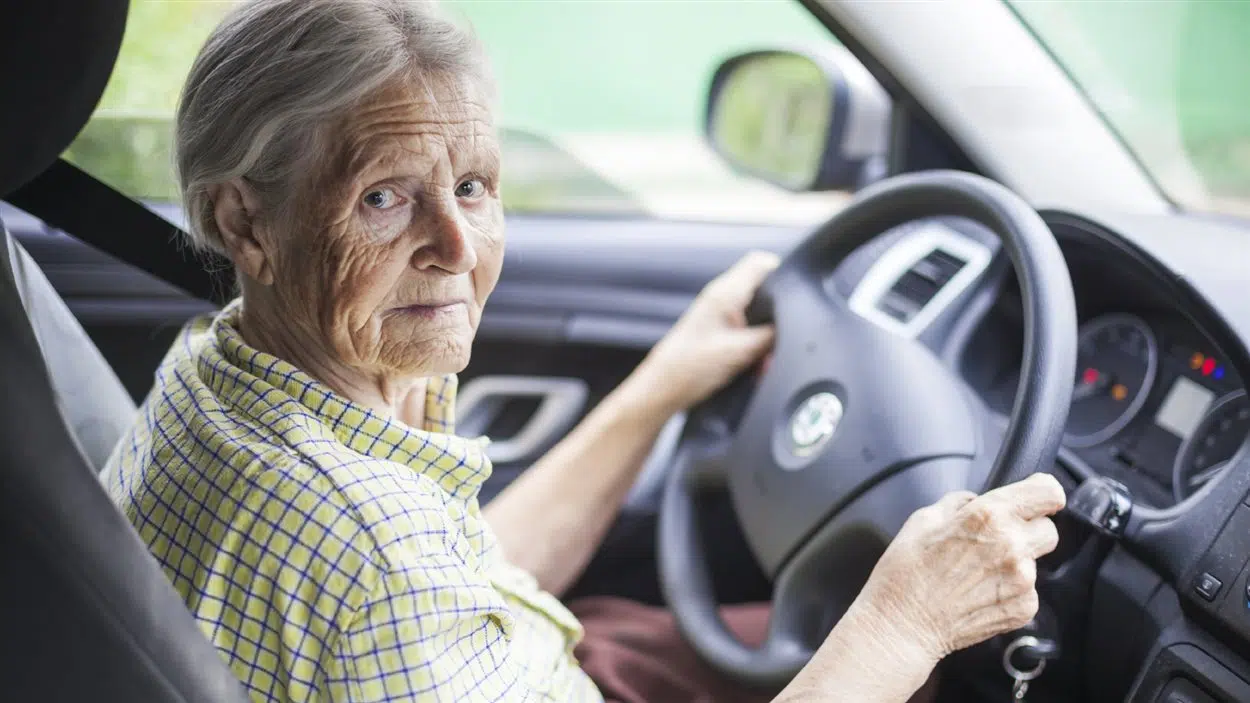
(472, 188)
(381, 199)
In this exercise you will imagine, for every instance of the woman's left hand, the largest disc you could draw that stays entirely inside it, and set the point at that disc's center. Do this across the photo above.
(711, 342)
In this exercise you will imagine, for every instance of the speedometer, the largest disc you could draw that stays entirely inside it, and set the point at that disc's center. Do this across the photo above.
(1216, 439)
(1117, 358)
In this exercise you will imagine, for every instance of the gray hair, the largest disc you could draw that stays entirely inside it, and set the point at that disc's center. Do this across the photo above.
(275, 73)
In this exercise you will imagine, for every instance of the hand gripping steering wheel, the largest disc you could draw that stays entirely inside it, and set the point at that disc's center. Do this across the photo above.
(852, 428)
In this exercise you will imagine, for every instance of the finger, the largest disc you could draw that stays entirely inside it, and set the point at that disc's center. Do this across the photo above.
(750, 344)
(767, 362)
(1035, 496)
(758, 260)
(1040, 537)
(953, 501)
(738, 284)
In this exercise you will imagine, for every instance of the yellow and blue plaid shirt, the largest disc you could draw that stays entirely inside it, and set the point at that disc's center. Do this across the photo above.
(328, 552)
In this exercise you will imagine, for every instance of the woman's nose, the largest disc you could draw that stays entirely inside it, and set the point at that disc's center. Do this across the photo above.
(449, 245)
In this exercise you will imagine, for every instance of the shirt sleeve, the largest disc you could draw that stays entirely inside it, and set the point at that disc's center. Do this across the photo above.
(434, 633)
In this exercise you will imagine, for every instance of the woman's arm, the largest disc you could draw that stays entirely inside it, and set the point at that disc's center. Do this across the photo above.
(867, 659)
(551, 519)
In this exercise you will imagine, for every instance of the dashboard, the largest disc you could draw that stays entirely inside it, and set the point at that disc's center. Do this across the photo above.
(1156, 404)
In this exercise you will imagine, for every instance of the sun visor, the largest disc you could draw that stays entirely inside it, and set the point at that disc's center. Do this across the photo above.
(55, 59)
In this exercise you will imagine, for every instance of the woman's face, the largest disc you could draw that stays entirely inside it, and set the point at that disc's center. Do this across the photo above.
(399, 240)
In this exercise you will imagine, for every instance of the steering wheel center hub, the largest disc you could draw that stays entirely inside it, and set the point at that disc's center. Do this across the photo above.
(814, 423)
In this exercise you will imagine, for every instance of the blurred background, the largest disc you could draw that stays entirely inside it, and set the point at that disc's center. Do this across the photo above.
(603, 100)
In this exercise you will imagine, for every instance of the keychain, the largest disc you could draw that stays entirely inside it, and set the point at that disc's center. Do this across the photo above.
(1021, 679)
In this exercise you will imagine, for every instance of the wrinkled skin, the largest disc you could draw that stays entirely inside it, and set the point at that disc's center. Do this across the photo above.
(965, 568)
(379, 278)
(711, 342)
(959, 572)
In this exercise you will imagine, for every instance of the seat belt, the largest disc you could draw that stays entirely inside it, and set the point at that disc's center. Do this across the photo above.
(75, 202)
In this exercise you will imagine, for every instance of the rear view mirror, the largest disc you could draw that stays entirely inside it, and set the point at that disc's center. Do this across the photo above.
(804, 121)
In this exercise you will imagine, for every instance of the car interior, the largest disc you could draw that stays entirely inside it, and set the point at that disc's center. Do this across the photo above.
(972, 337)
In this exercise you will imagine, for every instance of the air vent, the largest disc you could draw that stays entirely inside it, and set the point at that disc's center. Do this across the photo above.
(920, 284)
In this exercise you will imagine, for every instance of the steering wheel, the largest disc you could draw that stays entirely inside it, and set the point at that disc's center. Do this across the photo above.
(851, 428)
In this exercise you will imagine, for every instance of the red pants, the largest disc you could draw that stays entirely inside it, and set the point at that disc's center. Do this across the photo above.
(635, 654)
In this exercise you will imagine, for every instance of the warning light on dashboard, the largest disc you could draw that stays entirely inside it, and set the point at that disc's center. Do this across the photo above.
(1219, 372)
(1208, 366)
(1119, 392)
(1195, 361)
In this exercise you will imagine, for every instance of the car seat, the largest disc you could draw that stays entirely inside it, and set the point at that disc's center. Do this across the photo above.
(88, 615)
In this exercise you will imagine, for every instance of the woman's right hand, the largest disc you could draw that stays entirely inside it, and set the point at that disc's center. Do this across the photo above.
(960, 571)
(964, 569)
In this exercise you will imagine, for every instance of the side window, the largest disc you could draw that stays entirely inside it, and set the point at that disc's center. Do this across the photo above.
(127, 142)
(602, 103)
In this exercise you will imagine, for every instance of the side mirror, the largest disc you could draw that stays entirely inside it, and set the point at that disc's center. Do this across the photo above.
(806, 121)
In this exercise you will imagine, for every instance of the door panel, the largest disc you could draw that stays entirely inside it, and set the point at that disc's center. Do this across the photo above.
(487, 405)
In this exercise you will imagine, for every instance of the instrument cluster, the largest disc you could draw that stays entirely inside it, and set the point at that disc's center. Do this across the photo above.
(1156, 401)
(1154, 405)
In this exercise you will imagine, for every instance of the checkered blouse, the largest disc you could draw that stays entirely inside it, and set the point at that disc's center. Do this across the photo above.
(328, 552)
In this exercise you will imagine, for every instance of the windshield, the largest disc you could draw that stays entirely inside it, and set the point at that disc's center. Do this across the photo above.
(602, 104)
(1170, 78)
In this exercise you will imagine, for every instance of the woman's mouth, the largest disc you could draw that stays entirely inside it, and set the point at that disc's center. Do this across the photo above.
(431, 311)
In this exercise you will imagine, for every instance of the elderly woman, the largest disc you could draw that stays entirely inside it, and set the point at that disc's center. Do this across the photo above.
(295, 470)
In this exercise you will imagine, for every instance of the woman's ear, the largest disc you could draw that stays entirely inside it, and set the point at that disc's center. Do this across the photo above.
(235, 210)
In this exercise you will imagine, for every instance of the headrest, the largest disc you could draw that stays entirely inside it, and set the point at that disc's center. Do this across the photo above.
(55, 59)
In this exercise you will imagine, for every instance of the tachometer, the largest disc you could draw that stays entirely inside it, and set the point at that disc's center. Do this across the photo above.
(1220, 434)
(1117, 359)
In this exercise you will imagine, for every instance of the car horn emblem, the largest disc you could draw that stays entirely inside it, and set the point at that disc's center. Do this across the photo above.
(813, 423)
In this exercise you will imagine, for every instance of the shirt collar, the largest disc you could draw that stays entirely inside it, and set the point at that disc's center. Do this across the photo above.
(459, 465)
